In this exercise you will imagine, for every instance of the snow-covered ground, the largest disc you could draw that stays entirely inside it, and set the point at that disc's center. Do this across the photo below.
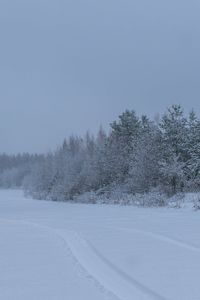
(61, 251)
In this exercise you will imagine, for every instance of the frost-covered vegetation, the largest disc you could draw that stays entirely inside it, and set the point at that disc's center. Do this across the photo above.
(15, 168)
(139, 156)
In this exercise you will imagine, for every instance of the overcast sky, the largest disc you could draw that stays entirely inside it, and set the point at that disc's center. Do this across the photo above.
(70, 65)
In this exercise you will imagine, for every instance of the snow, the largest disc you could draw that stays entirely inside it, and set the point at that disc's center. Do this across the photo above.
(57, 251)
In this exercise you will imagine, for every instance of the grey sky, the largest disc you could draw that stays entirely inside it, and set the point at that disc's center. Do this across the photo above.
(70, 65)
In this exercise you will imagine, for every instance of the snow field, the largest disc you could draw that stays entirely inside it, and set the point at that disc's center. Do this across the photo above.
(63, 251)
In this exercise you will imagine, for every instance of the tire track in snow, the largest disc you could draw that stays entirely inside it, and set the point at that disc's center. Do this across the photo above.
(102, 270)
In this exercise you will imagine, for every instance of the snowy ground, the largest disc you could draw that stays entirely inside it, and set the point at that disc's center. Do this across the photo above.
(59, 251)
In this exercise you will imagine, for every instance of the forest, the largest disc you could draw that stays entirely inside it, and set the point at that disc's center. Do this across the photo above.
(138, 156)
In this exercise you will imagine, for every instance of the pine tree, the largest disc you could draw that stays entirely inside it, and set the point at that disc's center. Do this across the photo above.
(174, 146)
(193, 163)
(144, 172)
(123, 136)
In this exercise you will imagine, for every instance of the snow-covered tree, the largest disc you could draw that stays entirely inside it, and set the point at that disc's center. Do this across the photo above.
(174, 146)
(121, 142)
(193, 145)
(144, 172)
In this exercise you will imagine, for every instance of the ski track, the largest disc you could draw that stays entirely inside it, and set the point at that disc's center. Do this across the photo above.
(159, 237)
(116, 281)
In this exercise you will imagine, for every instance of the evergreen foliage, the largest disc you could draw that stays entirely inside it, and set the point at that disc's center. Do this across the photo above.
(137, 156)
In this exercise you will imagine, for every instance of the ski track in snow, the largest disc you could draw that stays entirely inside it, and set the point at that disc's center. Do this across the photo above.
(159, 237)
(116, 281)
(62, 236)
(122, 285)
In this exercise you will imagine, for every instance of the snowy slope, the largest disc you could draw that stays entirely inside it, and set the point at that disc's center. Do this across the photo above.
(71, 251)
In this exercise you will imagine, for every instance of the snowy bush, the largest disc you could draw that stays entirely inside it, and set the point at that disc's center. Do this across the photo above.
(153, 198)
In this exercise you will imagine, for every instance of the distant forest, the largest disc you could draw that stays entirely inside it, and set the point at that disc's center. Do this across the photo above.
(138, 156)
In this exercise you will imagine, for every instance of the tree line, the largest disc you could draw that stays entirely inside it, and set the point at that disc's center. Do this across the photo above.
(137, 156)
